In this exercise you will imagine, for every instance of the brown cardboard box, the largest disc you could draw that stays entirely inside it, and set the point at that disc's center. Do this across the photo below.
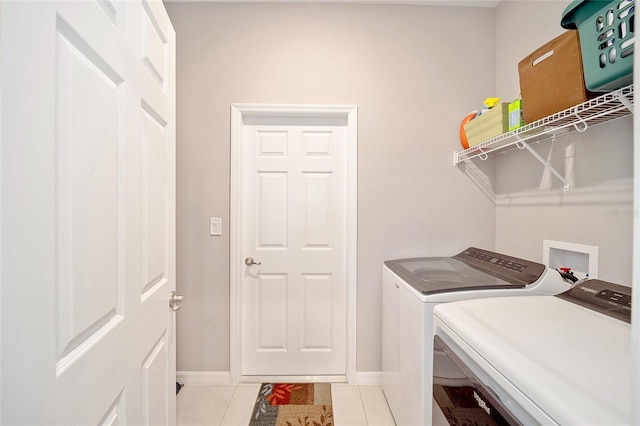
(551, 78)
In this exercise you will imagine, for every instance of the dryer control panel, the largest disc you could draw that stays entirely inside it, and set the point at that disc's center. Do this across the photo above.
(607, 298)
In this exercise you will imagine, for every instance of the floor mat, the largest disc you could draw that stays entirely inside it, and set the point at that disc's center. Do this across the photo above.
(291, 404)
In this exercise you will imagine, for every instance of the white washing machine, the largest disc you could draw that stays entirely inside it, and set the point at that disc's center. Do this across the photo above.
(411, 290)
(550, 360)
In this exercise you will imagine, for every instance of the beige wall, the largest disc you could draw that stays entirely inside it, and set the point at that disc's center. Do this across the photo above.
(530, 204)
(413, 71)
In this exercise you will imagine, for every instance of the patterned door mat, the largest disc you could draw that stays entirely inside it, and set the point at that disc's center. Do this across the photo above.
(293, 404)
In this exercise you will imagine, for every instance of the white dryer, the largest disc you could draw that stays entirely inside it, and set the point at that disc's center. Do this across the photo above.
(549, 360)
(411, 290)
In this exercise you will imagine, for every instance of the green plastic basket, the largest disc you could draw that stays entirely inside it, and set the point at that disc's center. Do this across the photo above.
(607, 31)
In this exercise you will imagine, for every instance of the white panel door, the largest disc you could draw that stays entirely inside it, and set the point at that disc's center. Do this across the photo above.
(88, 198)
(294, 224)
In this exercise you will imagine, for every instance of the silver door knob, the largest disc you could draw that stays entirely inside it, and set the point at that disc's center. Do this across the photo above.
(175, 301)
(249, 261)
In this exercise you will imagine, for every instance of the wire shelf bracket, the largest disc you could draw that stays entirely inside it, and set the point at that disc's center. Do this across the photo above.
(523, 145)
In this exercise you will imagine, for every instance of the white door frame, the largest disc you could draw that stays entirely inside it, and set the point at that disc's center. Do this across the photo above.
(240, 113)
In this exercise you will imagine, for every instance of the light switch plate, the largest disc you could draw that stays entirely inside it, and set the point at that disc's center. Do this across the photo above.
(215, 226)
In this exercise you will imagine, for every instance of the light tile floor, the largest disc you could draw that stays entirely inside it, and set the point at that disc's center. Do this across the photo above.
(232, 405)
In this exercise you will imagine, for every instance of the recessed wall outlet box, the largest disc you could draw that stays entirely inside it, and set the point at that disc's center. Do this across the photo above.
(582, 259)
(215, 226)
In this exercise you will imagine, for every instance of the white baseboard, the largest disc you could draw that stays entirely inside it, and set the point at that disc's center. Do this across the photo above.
(203, 378)
(293, 379)
(373, 378)
(209, 378)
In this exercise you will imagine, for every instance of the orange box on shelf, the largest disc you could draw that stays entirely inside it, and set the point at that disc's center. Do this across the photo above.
(551, 78)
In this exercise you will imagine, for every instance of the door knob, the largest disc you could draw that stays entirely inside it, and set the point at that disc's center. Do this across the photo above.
(175, 301)
(249, 261)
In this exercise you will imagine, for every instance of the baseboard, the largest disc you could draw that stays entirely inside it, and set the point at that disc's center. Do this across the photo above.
(209, 378)
(203, 378)
(373, 378)
(293, 379)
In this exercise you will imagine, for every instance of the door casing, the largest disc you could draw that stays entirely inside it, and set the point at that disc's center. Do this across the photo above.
(274, 113)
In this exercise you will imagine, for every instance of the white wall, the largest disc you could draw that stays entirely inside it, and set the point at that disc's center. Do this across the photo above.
(413, 71)
(530, 204)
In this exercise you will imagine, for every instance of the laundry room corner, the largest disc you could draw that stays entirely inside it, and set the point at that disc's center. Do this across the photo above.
(531, 203)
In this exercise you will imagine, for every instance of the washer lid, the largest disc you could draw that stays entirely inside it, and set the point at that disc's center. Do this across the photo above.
(473, 269)
(430, 275)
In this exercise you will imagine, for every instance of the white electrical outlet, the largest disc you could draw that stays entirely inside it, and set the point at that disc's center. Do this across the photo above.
(215, 226)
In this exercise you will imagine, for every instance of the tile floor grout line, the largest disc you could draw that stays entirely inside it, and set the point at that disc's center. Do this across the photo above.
(226, 410)
(364, 410)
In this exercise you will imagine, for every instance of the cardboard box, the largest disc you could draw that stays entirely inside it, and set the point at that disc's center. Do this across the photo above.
(490, 124)
(551, 78)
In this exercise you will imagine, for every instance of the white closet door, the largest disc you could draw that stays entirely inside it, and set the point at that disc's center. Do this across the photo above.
(88, 213)
(294, 224)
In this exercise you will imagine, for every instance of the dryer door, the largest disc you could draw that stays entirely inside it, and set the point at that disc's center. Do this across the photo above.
(465, 401)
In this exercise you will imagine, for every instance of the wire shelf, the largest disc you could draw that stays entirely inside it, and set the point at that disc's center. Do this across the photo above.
(605, 108)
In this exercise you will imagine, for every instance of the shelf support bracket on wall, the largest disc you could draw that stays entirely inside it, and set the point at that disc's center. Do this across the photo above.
(626, 102)
(523, 145)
